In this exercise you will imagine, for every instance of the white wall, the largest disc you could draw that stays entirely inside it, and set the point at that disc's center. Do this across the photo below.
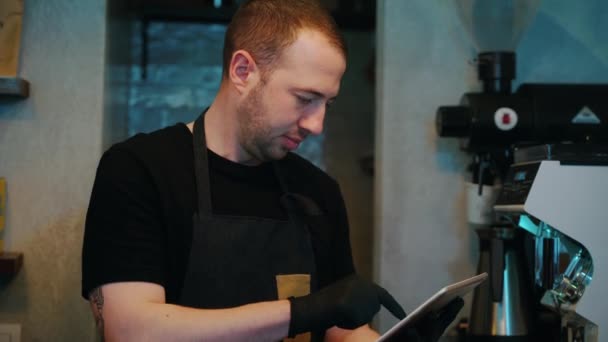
(422, 239)
(50, 145)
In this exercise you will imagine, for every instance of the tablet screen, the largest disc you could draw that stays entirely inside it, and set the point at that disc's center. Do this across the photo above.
(434, 303)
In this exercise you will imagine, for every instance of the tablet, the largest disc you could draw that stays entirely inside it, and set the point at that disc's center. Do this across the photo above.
(435, 303)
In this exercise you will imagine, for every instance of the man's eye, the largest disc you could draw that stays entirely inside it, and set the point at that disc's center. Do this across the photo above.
(304, 100)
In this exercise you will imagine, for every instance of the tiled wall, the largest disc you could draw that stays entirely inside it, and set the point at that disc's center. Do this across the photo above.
(182, 74)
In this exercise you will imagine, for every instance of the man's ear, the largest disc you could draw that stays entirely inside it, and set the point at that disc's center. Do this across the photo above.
(243, 70)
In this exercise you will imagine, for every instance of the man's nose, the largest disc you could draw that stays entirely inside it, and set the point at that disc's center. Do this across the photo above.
(313, 122)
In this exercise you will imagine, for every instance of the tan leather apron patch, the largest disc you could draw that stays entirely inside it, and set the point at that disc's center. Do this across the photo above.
(294, 285)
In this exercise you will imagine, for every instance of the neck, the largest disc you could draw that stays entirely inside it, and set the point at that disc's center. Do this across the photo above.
(222, 128)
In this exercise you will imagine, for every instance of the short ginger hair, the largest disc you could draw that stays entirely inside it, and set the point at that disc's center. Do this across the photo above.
(264, 28)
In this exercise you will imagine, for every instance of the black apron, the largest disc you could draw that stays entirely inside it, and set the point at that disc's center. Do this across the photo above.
(236, 260)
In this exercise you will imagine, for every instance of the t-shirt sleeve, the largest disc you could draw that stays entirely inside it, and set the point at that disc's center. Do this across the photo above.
(124, 235)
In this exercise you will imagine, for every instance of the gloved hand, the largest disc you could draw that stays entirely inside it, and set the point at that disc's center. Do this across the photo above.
(348, 303)
(432, 326)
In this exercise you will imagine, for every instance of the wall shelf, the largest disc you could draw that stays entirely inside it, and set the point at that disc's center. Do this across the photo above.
(14, 87)
(10, 263)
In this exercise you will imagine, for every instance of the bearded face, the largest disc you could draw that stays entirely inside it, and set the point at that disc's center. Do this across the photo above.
(289, 102)
(255, 128)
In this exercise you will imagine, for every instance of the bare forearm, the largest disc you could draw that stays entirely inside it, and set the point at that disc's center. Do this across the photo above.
(266, 321)
(362, 334)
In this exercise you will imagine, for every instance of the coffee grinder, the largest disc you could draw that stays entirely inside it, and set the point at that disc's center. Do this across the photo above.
(537, 243)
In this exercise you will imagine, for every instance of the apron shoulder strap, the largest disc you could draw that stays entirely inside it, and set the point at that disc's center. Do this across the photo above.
(201, 169)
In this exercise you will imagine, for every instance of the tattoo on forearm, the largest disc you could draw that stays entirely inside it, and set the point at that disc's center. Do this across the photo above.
(96, 299)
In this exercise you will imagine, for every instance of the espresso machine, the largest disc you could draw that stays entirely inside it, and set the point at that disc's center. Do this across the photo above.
(553, 201)
(538, 185)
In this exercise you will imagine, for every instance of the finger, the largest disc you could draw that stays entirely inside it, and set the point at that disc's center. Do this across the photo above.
(453, 307)
(390, 303)
(449, 312)
(408, 334)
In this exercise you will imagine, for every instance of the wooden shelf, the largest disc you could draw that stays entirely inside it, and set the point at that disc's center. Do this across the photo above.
(14, 87)
(10, 263)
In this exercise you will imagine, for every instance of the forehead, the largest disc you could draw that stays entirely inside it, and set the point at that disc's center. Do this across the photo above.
(311, 61)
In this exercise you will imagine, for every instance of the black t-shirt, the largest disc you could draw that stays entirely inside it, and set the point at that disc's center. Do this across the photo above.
(139, 222)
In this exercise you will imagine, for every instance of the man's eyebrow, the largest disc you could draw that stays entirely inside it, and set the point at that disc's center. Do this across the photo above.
(315, 93)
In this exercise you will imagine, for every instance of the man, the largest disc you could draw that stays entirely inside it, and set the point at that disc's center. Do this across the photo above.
(213, 231)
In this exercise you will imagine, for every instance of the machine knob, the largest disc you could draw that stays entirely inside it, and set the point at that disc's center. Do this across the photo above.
(453, 121)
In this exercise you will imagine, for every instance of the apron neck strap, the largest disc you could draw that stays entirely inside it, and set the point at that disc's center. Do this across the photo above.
(201, 169)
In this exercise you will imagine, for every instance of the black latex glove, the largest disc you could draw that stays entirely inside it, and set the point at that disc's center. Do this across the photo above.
(432, 326)
(348, 303)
